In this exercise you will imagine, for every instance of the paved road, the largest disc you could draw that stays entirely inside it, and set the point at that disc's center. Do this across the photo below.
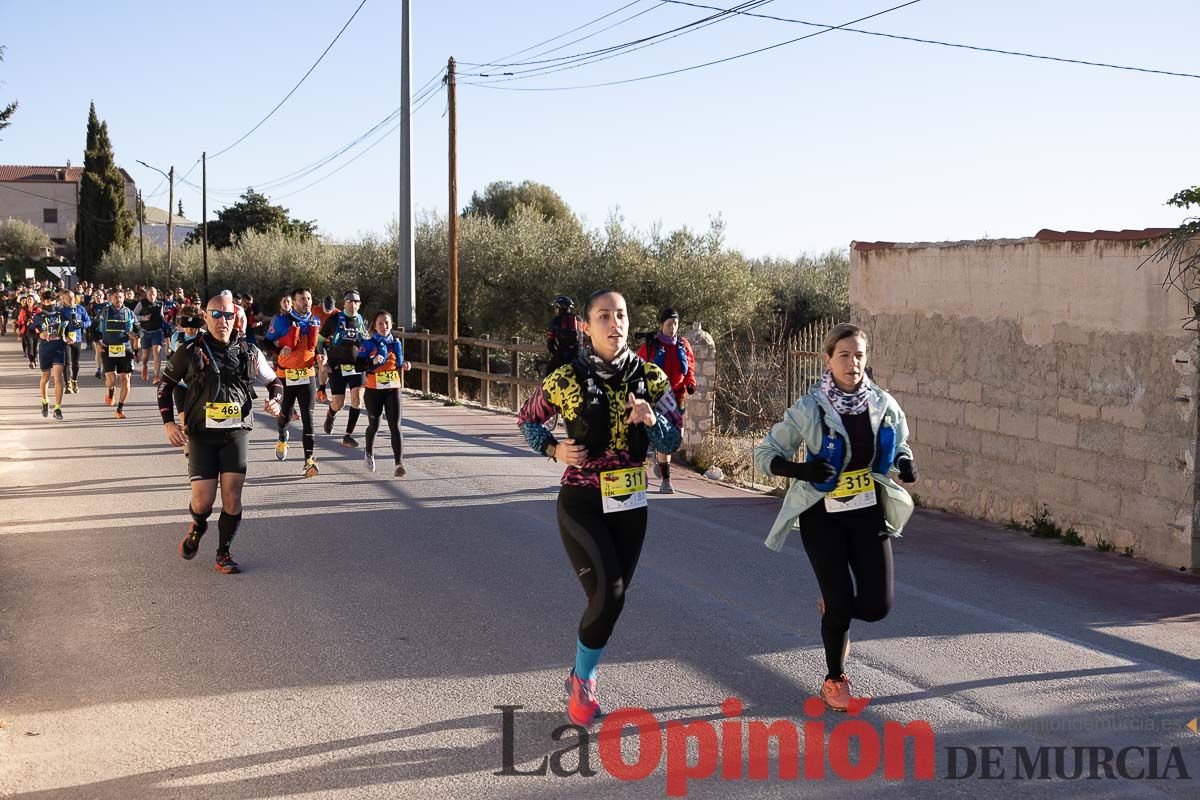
(379, 622)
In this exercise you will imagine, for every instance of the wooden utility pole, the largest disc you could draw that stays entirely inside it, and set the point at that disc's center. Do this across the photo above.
(452, 279)
(170, 221)
(141, 212)
(204, 217)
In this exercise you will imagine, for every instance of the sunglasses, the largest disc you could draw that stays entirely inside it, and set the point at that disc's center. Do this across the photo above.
(218, 314)
(353, 300)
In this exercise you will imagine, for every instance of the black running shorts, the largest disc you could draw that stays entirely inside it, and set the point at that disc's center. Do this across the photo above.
(210, 454)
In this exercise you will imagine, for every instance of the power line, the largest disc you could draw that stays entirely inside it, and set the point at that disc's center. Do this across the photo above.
(723, 15)
(294, 88)
(567, 33)
(80, 208)
(694, 27)
(382, 138)
(950, 44)
(276, 183)
(489, 85)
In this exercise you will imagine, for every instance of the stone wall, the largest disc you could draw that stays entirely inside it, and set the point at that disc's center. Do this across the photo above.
(1041, 373)
(699, 420)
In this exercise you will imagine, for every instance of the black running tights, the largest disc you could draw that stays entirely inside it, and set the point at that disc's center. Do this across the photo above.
(850, 543)
(304, 396)
(604, 551)
(379, 402)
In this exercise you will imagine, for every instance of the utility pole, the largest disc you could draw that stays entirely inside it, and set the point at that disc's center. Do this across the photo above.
(406, 277)
(170, 221)
(452, 279)
(204, 216)
(141, 212)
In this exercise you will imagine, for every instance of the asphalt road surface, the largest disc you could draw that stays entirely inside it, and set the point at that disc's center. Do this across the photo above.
(380, 622)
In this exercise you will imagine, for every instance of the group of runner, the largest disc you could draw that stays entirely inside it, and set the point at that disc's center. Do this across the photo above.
(843, 497)
(616, 405)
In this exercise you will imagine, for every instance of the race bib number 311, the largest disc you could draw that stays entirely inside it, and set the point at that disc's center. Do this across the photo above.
(623, 489)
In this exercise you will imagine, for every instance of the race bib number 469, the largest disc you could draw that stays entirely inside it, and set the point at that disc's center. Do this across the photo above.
(222, 416)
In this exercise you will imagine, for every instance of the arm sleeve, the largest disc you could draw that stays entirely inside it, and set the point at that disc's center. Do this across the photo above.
(664, 434)
(534, 413)
(172, 374)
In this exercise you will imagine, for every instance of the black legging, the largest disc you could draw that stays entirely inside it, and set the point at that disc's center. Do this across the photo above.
(305, 396)
(604, 550)
(71, 369)
(29, 345)
(838, 545)
(378, 402)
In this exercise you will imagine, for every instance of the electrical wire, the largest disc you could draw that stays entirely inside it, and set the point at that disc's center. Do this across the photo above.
(976, 48)
(489, 85)
(568, 33)
(294, 88)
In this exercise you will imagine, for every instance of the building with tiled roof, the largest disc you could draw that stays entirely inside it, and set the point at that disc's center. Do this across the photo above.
(48, 197)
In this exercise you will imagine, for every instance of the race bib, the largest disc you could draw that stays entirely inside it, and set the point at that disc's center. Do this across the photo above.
(297, 377)
(222, 416)
(623, 489)
(116, 351)
(666, 404)
(854, 490)
(387, 380)
(348, 369)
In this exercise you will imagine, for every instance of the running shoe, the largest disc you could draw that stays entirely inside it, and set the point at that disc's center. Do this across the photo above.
(108, 398)
(58, 413)
(310, 467)
(227, 565)
(70, 387)
(836, 694)
(666, 487)
(45, 409)
(145, 372)
(349, 441)
(119, 414)
(369, 458)
(281, 447)
(401, 471)
(328, 426)
(31, 365)
(191, 542)
(657, 470)
(99, 374)
(322, 397)
(582, 706)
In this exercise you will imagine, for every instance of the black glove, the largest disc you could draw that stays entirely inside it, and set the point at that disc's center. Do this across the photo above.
(908, 470)
(691, 390)
(818, 471)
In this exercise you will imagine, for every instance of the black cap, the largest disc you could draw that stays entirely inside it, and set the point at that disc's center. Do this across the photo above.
(667, 313)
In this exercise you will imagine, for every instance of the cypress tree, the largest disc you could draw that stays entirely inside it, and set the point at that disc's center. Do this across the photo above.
(103, 219)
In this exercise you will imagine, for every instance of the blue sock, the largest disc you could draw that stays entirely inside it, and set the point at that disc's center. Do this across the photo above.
(586, 660)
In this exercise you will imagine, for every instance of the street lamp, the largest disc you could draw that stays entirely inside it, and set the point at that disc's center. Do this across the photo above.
(170, 204)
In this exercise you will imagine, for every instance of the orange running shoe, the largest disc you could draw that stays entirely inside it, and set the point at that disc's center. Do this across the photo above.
(836, 694)
(120, 414)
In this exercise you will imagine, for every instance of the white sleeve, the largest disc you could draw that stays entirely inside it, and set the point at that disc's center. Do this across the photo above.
(263, 368)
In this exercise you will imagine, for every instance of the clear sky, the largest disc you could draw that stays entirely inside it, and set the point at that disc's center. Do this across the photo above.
(806, 147)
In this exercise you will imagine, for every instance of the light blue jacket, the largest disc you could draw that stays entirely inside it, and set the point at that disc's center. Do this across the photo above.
(802, 425)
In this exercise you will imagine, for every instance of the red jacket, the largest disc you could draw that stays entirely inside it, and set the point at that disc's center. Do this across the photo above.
(667, 356)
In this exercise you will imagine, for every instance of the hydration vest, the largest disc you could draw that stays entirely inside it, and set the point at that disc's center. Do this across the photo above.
(207, 383)
(592, 425)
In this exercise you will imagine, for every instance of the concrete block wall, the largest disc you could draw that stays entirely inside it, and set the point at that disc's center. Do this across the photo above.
(1026, 385)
